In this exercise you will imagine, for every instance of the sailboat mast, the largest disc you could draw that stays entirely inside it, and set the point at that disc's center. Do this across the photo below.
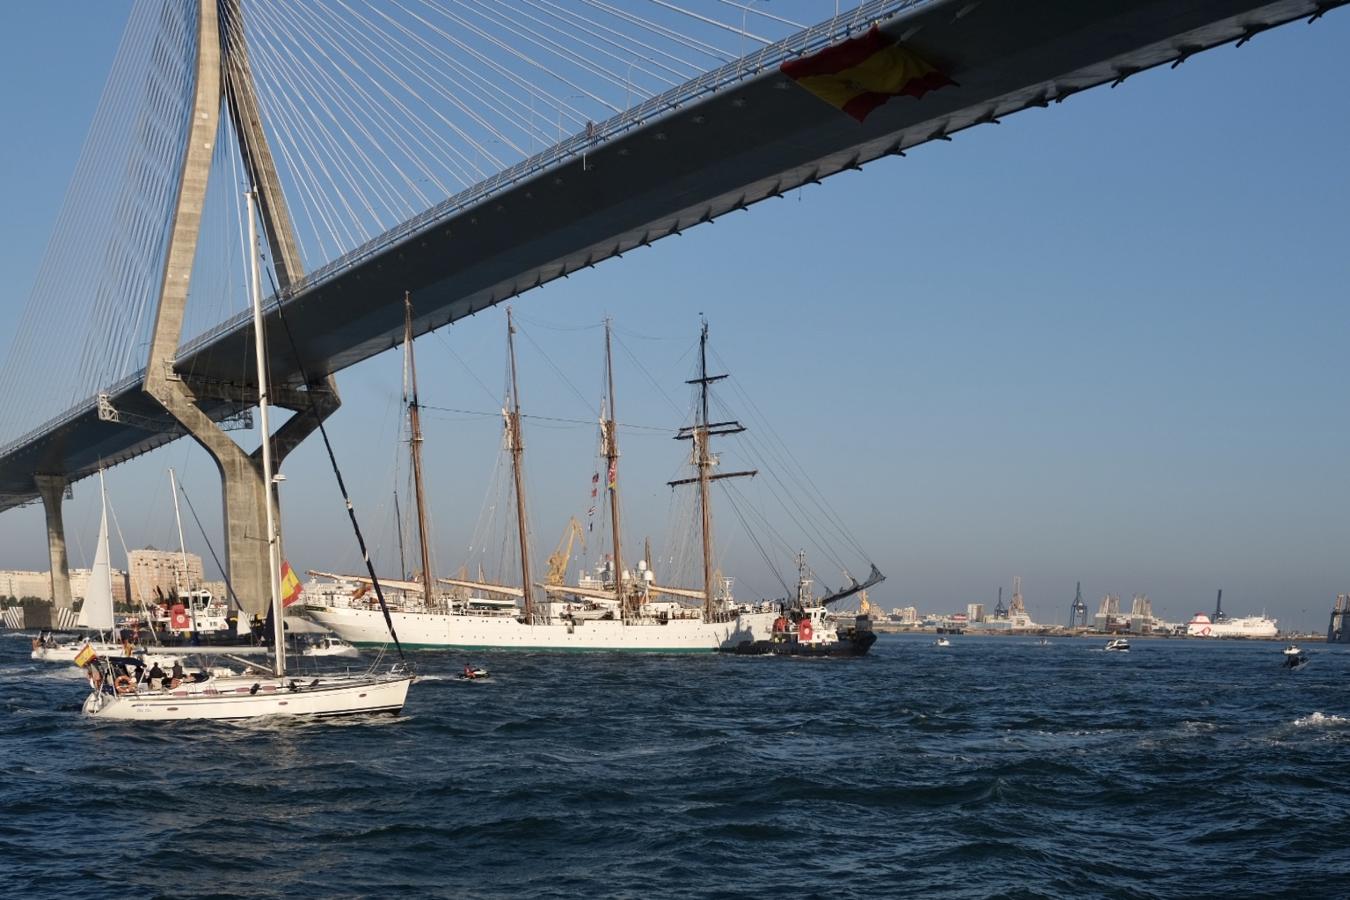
(611, 442)
(264, 389)
(705, 462)
(103, 528)
(517, 448)
(415, 449)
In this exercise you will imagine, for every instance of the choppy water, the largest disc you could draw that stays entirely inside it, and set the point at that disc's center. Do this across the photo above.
(994, 767)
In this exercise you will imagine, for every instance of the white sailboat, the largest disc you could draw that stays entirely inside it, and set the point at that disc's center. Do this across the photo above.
(117, 695)
(96, 615)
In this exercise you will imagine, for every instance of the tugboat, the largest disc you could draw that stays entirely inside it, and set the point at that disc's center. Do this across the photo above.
(805, 629)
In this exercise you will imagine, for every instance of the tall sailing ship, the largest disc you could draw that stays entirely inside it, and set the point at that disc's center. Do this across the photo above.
(616, 609)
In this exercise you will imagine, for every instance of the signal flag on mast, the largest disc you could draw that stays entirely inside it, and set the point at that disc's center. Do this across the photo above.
(290, 585)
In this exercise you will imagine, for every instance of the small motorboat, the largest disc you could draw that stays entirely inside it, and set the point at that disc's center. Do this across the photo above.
(331, 646)
(1293, 657)
(942, 642)
(1293, 650)
(1118, 645)
(473, 673)
(1043, 642)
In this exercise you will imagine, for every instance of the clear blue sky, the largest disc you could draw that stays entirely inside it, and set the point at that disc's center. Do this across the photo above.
(1108, 341)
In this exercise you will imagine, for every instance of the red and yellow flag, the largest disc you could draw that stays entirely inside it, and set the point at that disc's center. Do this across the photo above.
(85, 656)
(290, 585)
(861, 73)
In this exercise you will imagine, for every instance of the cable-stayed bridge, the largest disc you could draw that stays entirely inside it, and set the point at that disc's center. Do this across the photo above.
(465, 151)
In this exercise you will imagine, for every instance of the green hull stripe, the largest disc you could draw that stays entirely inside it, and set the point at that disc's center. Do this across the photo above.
(407, 646)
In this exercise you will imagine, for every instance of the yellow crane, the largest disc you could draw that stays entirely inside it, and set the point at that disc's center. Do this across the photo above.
(557, 563)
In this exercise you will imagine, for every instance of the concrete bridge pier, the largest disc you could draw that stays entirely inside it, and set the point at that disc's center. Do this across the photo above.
(53, 491)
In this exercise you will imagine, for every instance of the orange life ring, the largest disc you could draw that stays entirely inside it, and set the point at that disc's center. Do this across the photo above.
(804, 630)
(124, 685)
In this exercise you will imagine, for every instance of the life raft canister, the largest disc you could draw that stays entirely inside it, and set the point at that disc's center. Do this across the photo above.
(804, 630)
(178, 618)
(780, 623)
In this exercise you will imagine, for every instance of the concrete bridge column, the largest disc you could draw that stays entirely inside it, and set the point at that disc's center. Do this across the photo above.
(53, 491)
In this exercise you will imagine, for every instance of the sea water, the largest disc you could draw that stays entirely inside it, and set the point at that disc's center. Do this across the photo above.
(993, 767)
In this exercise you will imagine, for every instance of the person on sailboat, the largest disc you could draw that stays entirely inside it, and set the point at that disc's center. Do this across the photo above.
(156, 676)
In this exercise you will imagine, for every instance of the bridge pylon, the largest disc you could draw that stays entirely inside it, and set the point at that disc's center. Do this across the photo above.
(224, 78)
(53, 488)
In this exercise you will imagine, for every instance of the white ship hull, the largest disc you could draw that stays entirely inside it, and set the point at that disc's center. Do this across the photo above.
(251, 699)
(432, 631)
(1245, 627)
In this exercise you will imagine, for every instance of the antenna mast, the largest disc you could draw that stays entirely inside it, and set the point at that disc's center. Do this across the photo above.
(517, 447)
(415, 449)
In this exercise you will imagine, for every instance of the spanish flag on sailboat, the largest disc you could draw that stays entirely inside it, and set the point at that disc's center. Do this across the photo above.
(290, 585)
(861, 73)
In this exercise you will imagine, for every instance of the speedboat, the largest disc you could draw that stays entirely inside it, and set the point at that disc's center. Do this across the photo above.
(1293, 650)
(1118, 644)
(47, 649)
(331, 646)
(942, 642)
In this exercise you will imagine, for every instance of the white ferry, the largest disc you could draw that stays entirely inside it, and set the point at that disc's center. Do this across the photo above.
(1228, 627)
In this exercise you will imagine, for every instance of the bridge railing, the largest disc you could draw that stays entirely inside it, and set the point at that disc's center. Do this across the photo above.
(654, 108)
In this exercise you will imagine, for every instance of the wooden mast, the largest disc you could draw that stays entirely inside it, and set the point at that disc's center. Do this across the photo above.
(700, 433)
(517, 448)
(704, 460)
(611, 448)
(415, 450)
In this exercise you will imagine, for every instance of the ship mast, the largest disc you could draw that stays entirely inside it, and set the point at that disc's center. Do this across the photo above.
(517, 448)
(700, 433)
(415, 449)
(610, 442)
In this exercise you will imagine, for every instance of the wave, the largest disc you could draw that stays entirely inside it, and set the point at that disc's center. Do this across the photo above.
(1318, 720)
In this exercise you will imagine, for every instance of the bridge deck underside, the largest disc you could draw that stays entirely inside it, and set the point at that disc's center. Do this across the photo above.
(731, 148)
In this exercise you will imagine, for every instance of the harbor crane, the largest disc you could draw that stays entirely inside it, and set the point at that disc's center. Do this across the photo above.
(558, 561)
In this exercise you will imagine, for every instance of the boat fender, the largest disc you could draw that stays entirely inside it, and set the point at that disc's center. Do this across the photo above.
(124, 684)
(254, 689)
(804, 630)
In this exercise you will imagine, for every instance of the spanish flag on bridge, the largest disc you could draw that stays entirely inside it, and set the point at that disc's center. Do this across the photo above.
(290, 585)
(861, 73)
